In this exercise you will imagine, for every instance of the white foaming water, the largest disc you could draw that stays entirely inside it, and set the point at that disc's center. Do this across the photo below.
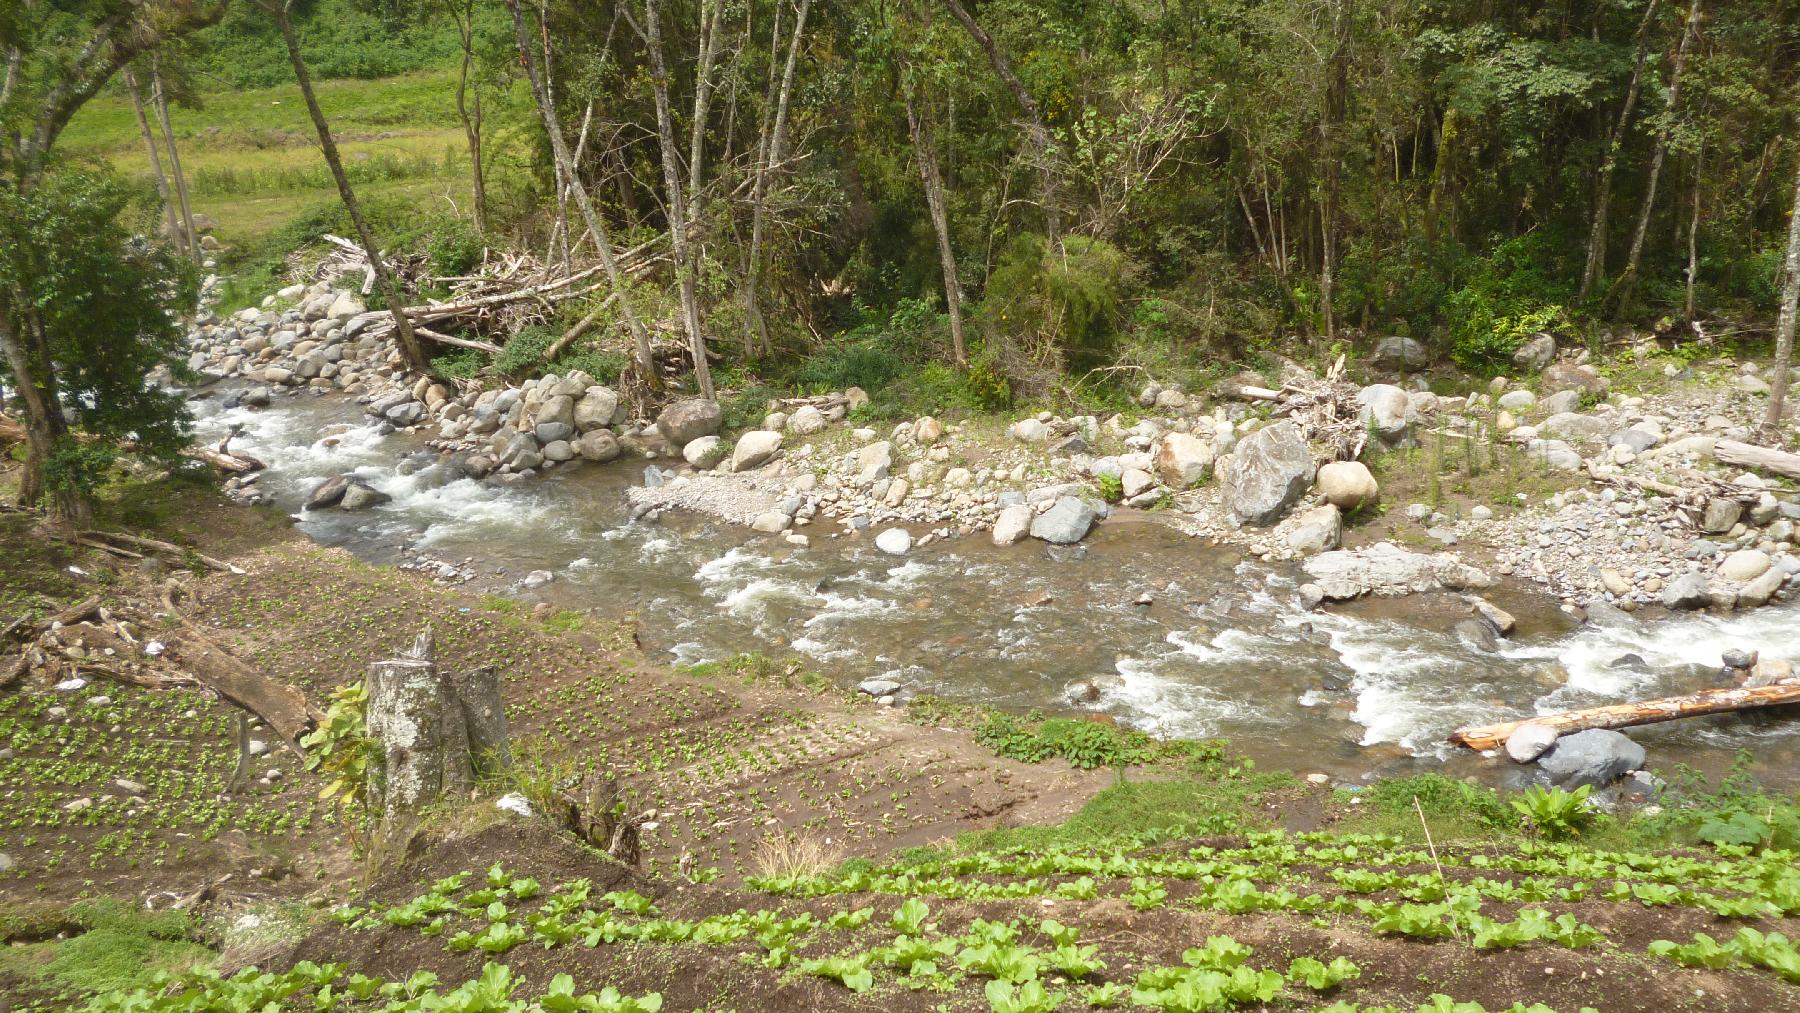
(1170, 707)
(1412, 686)
(1696, 640)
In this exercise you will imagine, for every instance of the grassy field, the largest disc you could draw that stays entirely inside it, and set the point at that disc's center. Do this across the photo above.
(253, 161)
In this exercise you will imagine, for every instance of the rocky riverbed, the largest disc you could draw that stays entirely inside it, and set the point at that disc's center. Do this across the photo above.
(1228, 474)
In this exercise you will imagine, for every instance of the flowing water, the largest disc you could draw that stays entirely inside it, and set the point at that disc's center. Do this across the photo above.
(1221, 649)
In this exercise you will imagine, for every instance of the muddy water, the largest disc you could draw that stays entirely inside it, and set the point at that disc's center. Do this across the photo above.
(1222, 647)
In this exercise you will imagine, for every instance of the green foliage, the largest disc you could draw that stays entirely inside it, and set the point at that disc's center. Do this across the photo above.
(1506, 297)
(339, 38)
(340, 750)
(1065, 302)
(1737, 812)
(523, 353)
(105, 303)
(1112, 487)
(462, 364)
(120, 947)
(1086, 744)
(1440, 797)
(1556, 813)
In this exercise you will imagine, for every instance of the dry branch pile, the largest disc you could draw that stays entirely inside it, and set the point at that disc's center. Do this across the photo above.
(1326, 411)
(483, 310)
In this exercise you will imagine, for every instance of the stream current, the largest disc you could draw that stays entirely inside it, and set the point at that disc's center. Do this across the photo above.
(1222, 649)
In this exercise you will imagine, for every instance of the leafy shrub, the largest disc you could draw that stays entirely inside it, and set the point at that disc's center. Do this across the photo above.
(453, 248)
(1086, 744)
(1057, 304)
(525, 350)
(1508, 296)
(462, 364)
(1556, 813)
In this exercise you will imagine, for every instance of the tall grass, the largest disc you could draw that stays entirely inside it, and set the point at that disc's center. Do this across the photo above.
(362, 168)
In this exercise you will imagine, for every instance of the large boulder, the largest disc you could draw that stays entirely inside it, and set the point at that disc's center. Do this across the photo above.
(873, 463)
(1348, 485)
(360, 495)
(1268, 472)
(1530, 741)
(1689, 591)
(686, 421)
(895, 541)
(705, 452)
(557, 410)
(1745, 564)
(1013, 525)
(1066, 522)
(1598, 756)
(1182, 460)
(1401, 353)
(327, 493)
(754, 448)
(806, 421)
(1565, 376)
(1387, 411)
(1387, 569)
(598, 446)
(598, 408)
(1317, 530)
(1536, 353)
(1575, 426)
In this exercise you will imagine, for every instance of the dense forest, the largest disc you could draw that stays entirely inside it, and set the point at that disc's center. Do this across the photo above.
(1027, 200)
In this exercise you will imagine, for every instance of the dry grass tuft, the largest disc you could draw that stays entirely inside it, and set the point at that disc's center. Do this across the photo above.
(782, 855)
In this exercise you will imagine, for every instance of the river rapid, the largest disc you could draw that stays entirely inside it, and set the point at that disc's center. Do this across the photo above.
(1222, 647)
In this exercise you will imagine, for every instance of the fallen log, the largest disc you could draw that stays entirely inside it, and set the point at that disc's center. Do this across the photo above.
(281, 706)
(450, 339)
(233, 464)
(1748, 455)
(169, 549)
(1627, 715)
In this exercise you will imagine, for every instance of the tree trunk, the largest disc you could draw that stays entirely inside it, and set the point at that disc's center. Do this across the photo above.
(421, 754)
(484, 715)
(464, 13)
(410, 352)
(1693, 238)
(45, 424)
(559, 148)
(161, 101)
(925, 153)
(1671, 99)
(1627, 715)
(1596, 250)
(1784, 326)
(769, 154)
(170, 212)
(1034, 118)
(682, 196)
(1749, 455)
(1336, 99)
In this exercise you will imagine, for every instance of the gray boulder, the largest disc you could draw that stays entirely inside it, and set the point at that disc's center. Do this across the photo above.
(598, 446)
(598, 408)
(1561, 402)
(705, 452)
(1574, 426)
(1536, 353)
(1181, 460)
(1597, 756)
(1688, 591)
(1013, 525)
(553, 432)
(1564, 376)
(686, 421)
(327, 493)
(1270, 470)
(1387, 569)
(754, 448)
(359, 495)
(1066, 522)
(1388, 412)
(1401, 353)
(1317, 530)
(1530, 741)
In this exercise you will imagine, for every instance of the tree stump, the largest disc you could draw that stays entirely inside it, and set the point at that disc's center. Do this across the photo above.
(484, 715)
(421, 754)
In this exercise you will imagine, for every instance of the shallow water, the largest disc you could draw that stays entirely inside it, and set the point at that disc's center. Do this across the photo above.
(1223, 649)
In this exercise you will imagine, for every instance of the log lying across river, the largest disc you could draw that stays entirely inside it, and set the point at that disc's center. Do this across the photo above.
(1625, 715)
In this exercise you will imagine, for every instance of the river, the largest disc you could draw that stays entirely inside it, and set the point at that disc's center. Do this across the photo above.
(1223, 647)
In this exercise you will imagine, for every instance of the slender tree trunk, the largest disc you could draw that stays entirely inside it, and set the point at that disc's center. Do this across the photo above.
(769, 155)
(464, 13)
(45, 424)
(170, 212)
(1596, 249)
(161, 101)
(1693, 238)
(410, 352)
(1034, 118)
(1336, 100)
(559, 149)
(925, 152)
(1671, 99)
(1784, 326)
(684, 196)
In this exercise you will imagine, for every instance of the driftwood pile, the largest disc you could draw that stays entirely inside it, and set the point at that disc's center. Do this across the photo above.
(509, 293)
(1326, 410)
